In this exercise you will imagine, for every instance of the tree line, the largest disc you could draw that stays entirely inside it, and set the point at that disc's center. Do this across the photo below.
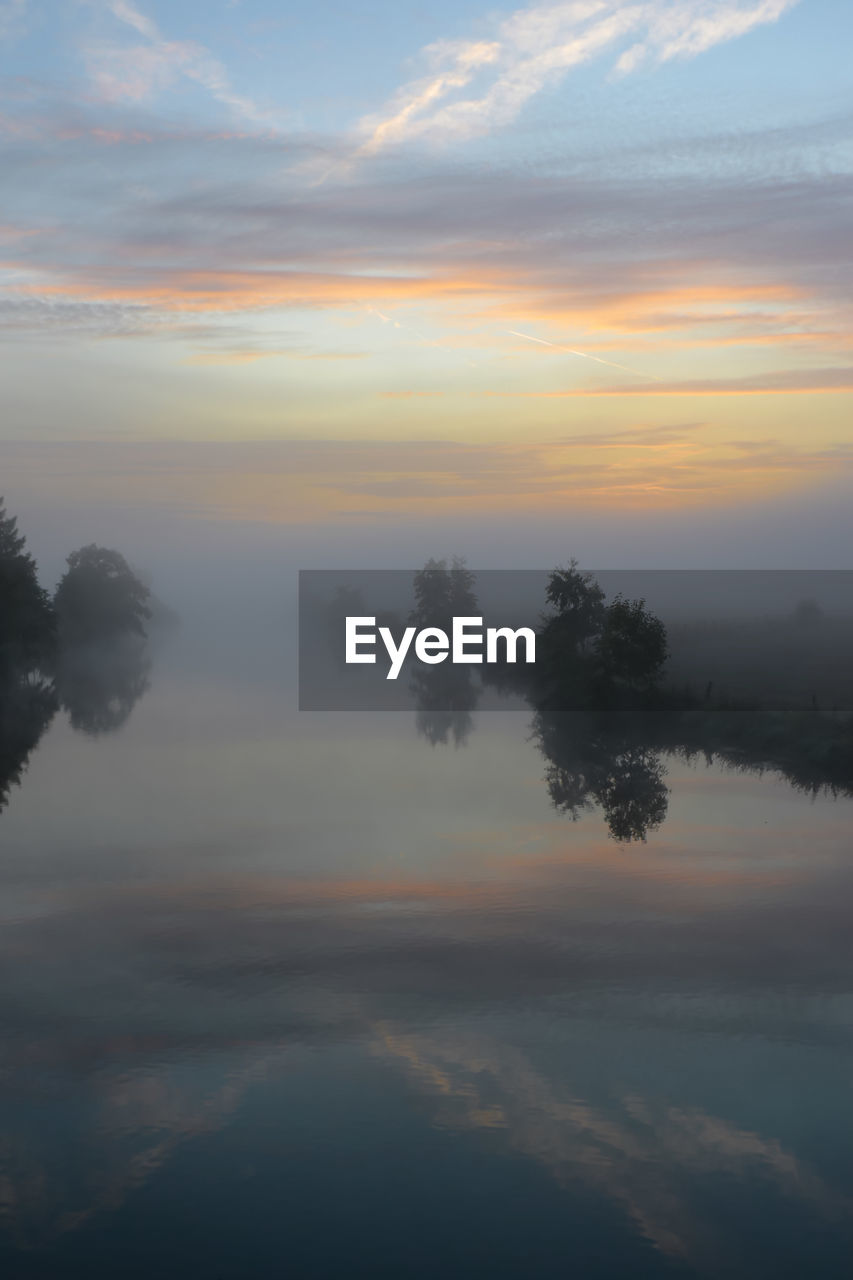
(81, 648)
(605, 715)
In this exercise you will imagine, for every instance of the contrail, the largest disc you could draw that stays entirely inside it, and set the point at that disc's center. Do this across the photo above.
(398, 324)
(586, 356)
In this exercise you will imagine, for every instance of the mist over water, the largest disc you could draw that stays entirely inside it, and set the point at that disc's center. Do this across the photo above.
(254, 959)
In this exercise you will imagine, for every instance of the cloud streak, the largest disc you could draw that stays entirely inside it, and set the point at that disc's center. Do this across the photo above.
(135, 72)
(535, 48)
(583, 354)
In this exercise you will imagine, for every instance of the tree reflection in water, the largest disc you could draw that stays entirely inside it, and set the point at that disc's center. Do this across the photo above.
(100, 685)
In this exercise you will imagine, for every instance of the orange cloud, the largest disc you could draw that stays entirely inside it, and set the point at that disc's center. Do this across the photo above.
(241, 290)
(652, 309)
(518, 295)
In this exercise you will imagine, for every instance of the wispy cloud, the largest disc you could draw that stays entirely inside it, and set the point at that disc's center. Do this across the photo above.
(535, 48)
(722, 276)
(135, 72)
(662, 280)
(126, 12)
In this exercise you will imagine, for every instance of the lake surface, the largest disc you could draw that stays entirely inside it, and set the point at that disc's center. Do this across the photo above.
(305, 995)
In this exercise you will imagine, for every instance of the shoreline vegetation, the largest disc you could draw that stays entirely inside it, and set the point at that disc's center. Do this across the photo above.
(610, 704)
(614, 692)
(84, 649)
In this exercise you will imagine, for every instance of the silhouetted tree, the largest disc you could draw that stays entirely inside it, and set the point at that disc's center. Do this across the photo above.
(26, 710)
(103, 665)
(27, 624)
(589, 652)
(85, 652)
(578, 604)
(631, 646)
(564, 649)
(443, 592)
(100, 598)
(431, 587)
(27, 641)
(463, 596)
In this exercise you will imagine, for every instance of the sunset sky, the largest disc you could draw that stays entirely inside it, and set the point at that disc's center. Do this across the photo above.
(296, 264)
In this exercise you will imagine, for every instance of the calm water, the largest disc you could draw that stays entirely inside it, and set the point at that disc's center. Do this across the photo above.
(303, 995)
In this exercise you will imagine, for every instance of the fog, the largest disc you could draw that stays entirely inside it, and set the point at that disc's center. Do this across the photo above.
(610, 939)
(234, 581)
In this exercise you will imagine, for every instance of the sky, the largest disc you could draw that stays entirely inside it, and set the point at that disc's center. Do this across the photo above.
(376, 266)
